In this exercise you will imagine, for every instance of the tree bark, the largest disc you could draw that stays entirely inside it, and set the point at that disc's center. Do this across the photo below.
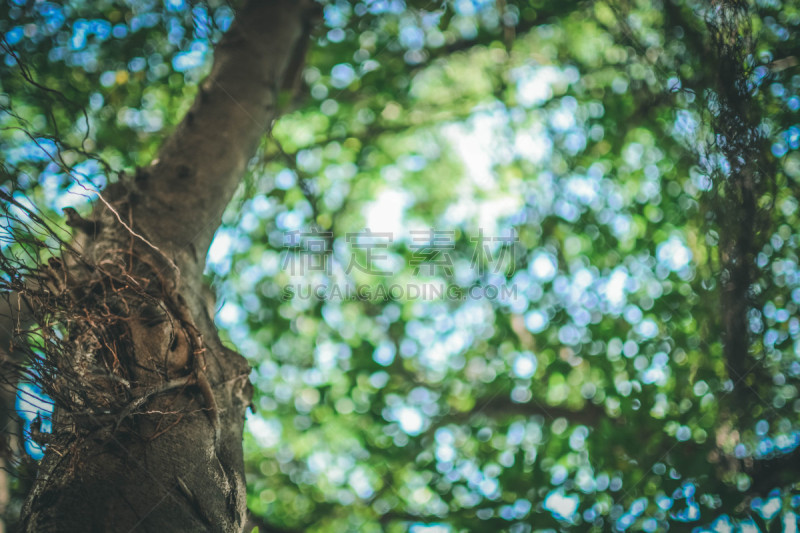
(147, 436)
(14, 316)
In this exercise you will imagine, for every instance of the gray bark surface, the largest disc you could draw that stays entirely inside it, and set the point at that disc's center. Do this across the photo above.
(157, 443)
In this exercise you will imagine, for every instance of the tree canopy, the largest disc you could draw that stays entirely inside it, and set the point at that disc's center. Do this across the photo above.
(498, 266)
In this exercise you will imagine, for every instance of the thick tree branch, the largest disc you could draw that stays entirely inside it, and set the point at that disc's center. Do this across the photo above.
(743, 183)
(589, 415)
(188, 186)
(161, 446)
(502, 406)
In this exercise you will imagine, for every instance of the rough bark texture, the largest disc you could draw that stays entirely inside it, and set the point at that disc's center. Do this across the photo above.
(149, 437)
(10, 424)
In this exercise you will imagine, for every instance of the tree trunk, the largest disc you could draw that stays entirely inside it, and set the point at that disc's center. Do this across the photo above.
(147, 432)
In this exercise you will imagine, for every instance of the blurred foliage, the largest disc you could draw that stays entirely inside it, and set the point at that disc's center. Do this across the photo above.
(593, 394)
